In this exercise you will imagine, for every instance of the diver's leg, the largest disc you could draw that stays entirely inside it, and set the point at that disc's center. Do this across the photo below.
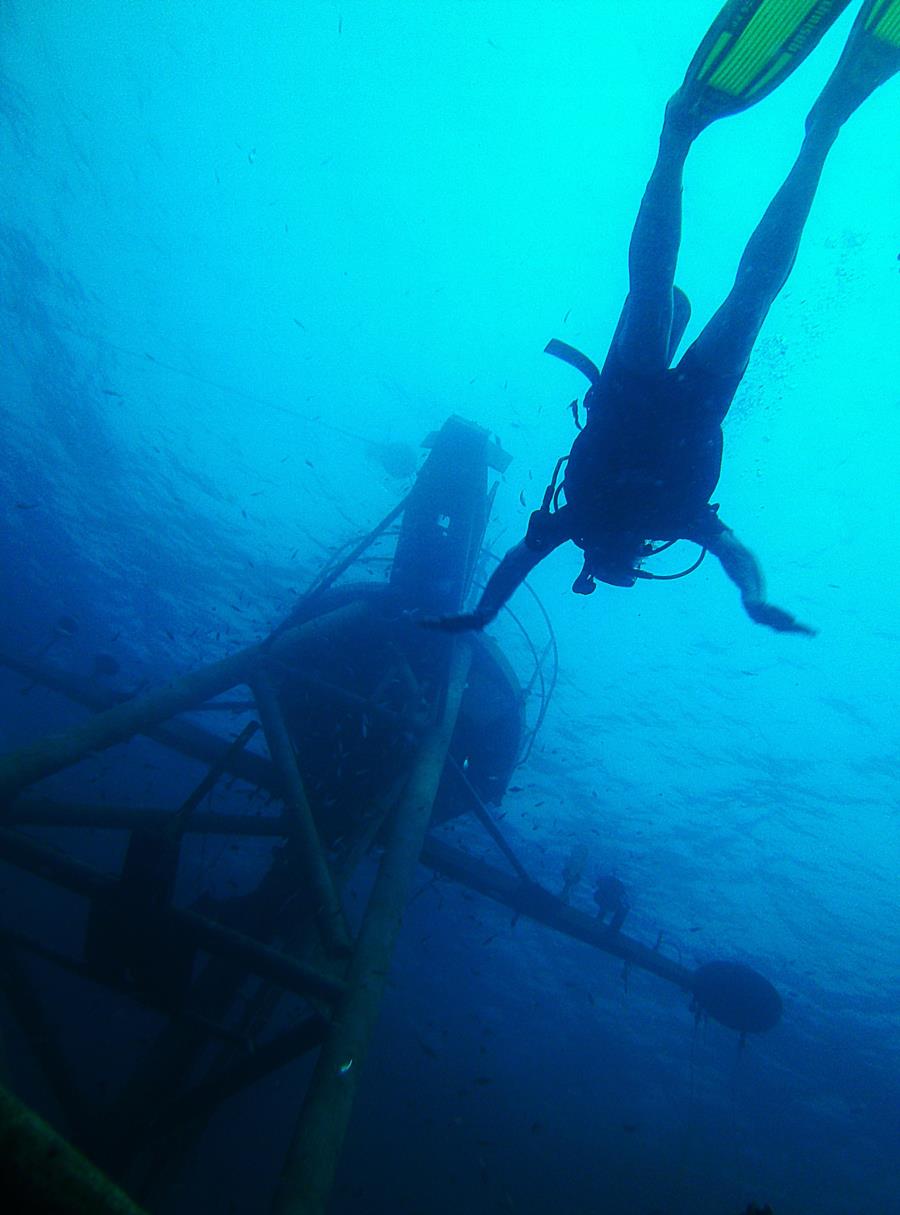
(751, 46)
(645, 330)
(725, 344)
(870, 57)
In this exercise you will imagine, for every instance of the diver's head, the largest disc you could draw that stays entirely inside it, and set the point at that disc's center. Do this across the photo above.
(615, 559)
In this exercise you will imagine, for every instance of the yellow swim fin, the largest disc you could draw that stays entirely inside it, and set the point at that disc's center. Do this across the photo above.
(871, 56)
(749, 49)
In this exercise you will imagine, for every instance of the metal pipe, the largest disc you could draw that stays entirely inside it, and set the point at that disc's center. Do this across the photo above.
(45, 1175)
(330, 576)
(64, 962)
(306, 845)
(180, 820)
(51, 754)
(539, 904)
(215, 938)
(199, 1103)
(481, 812)
(40, 1036)
(309, 1169)
(39, 812)
(185, 737)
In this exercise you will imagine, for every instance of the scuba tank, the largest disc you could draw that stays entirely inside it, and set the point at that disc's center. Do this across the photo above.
(539, 524)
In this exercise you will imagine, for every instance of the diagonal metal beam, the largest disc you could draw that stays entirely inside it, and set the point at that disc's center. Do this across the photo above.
(532, 900)
(41, 812)
(205, 933)
(55, 752)
(200, 1102)
(307, 847)
(185, 737)
(44, 1173)
(15, 982)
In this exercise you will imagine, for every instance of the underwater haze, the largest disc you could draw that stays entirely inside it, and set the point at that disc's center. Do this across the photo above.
(251, 256)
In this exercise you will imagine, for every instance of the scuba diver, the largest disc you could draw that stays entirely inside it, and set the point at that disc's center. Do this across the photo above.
(611, 897)
(643, 468)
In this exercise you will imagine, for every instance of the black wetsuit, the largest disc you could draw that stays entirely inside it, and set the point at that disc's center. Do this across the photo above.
(648, 459)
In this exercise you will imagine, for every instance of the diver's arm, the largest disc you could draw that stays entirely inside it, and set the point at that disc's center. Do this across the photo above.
(744, 571)
(506, 578)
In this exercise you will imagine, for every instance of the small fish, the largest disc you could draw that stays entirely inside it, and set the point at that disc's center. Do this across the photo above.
(27, 505)
(522, 497)
(108, 392)
(299, 324)
(566, 317)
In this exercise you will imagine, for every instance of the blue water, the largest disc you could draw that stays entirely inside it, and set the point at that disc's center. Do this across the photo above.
(243, 245)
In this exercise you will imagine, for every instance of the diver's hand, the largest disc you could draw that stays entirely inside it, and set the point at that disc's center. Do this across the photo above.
(457, 624)
(776, 618)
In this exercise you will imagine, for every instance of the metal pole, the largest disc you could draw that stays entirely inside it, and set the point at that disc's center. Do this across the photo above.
(38, 812)
(215, 938)
(180, 820)
(305, 842)
(308, 1173)
(185, 737)
(40, 1036)
(44, 1175)
(481, 812)
(200, 1102)
(331, 576)
(532, 900)
(51, 754)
